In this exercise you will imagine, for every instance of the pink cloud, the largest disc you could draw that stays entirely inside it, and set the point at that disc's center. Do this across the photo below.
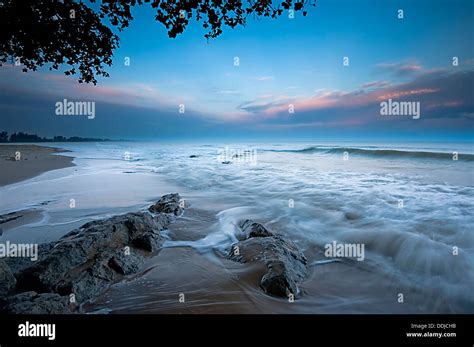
(437, 82)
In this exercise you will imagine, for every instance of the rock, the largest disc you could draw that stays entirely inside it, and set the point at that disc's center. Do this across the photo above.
(252, 229)
(7, 280)
(351, 216)
(170, 203)
(126, 264)
(18, 264)
(90, 283)
(34, 303)
(73, 261)
(87, 260)
(286, 264)
(10, 217)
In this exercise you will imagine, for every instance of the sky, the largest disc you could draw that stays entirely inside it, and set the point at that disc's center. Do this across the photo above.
(285, 63)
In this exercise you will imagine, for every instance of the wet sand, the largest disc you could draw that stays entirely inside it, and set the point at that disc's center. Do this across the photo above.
(15, 219)
(33, 161)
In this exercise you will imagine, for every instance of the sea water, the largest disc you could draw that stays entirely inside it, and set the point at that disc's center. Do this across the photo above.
(410, 205)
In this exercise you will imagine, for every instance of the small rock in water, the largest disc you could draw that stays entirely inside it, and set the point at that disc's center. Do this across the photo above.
(351, 216)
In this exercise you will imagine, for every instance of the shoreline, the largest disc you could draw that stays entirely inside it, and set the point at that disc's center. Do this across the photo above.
(192, 272)
(33, 160)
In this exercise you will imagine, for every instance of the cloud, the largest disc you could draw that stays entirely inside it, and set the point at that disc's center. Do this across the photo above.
(375, 84)
(261, 107)
(443, 94)
(400, 69)
(48, 84)
(132, 94)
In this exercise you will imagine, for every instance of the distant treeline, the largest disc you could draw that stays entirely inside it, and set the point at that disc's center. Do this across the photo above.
(24, 137)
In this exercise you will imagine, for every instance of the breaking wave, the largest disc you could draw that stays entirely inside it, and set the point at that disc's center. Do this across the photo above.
(392, 153)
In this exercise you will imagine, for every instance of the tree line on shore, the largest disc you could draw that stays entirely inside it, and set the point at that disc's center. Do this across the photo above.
(25, 137)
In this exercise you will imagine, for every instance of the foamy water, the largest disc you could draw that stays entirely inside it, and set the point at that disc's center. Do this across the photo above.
(408, 204)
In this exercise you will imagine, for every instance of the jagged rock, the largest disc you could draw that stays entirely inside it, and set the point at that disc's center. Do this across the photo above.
(286, 264)
(169, 203)
(77, 252)
(34, 303)
(7, 280)
(87, 260)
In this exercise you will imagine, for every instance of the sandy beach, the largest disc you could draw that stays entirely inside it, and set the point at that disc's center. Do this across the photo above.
(32, 161)
(19, 162)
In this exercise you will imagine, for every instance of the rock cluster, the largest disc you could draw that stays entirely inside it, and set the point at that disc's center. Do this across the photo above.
(86, 261)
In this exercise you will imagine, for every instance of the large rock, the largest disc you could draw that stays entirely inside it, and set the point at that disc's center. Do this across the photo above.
(86, 261)
(73, 262)
(286, 264)
(7, 280)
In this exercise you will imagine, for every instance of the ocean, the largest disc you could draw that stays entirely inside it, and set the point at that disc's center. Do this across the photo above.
(410, 205)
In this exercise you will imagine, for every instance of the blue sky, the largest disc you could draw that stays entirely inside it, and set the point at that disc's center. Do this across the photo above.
(282, 62)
